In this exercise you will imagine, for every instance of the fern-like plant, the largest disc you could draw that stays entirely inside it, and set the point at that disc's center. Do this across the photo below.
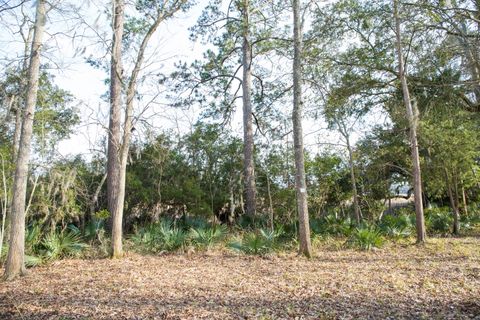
(366, 238)
(62, 244)
(256, 243)
(208, 236)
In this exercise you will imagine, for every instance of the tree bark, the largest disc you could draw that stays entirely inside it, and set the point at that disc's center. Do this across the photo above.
(353, 180)
(117, 250)
(248, 146)
(15, 265)
(17, 132)
(114, 134)
(413, 122)
(464, 199)
(301, 186)
(453, 204)
(456, 212)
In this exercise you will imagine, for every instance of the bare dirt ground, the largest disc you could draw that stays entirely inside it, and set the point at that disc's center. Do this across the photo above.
(438, 281)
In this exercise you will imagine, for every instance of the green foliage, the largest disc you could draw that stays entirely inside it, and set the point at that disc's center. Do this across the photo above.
(192, 222)
(330, 225)
(366, 238)
(439, 220)
(33, 238)
(470, 221)
(66, 243)
(162, 236)
(33, 261)
(207, 236)
(257, 243)
(102, 214)
(397, 226)
(93, 228)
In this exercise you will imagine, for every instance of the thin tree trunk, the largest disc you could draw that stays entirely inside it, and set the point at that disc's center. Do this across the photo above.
(114, 134)
(15, 265)
(94, 201)
(249, 169)
(117, 250)
(453, 204)
(17, 132)
(412, 120)
(301, 186)
(270, 203)
(356, 205)
(456, 213)
(464, 199)
(4, 205)
(232, 204)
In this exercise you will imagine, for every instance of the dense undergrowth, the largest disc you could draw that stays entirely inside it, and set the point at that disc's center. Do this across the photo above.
(248, 237)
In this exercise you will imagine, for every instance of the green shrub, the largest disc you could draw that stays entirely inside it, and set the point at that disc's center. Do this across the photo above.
(93, 228)
(439, 220)
(193, 222)
(366, 238)
(162, 236)
(470, 221)
(247, 222)
(33, 238)
(257, 243)
(396, 227)
(330, 225)
(207, 236)
(33, 261)
(62, 244)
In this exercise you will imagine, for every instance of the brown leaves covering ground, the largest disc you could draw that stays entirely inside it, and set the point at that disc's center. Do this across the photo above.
(438, 281)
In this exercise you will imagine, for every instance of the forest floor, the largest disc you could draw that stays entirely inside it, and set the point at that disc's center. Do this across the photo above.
(440, 280)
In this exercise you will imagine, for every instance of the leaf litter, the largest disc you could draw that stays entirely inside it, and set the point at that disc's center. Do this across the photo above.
(437, 281)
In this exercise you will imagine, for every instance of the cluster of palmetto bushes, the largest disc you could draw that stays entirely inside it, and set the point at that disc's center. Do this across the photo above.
(248, 237)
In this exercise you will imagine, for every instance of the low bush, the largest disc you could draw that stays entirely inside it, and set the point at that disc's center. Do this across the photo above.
(162, 236)
(331, 225)
(366, 238)
(66, 243)
(206, 237)
(439, 220)
(396, 227)
(257, 243)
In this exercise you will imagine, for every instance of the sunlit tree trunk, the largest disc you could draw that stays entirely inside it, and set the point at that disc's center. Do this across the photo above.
(412, 115)
(356, 203)
(300, 183)
(248, 146)
(114, 133)
(15, 265)
(117, 230)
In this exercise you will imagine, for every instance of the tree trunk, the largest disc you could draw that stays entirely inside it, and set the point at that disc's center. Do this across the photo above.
(4, 204)
(114, 134)
(301, 186)
(270, 203)
(412, 120)
(356, 205)
(94, 201)
(456, 212)
(117, 230)
(464, 199)
(453, 204)
(15, 265)
(248, 163)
